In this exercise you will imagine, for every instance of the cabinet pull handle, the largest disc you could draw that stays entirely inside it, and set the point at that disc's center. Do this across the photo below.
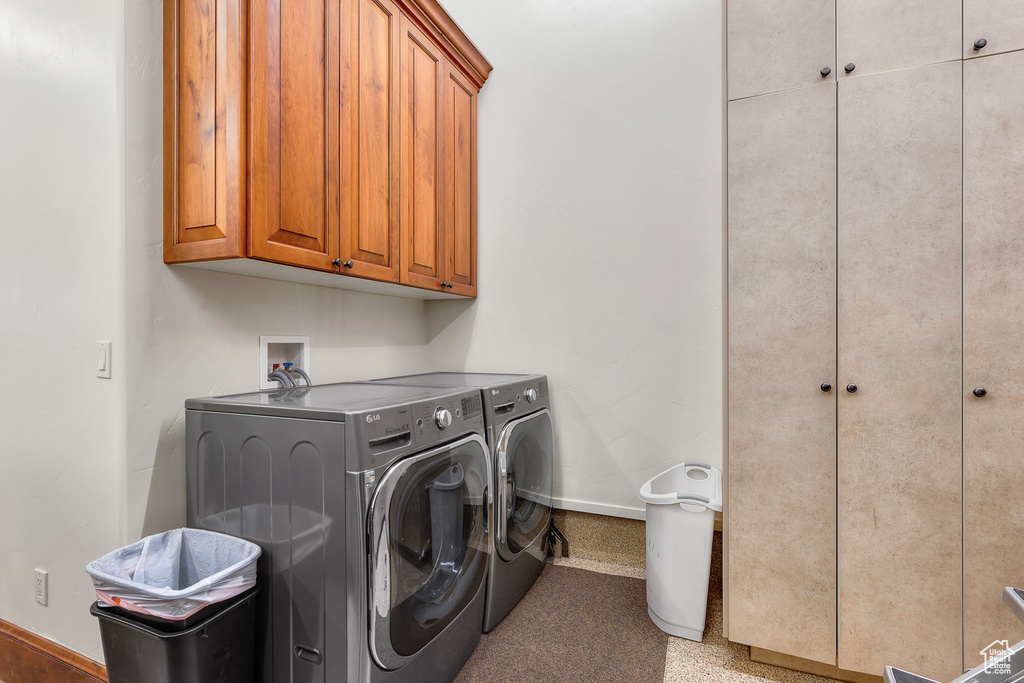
(825, 71)
(852, 388)
(850, 67)
(826, 387)
(980, 43)
(980, 392)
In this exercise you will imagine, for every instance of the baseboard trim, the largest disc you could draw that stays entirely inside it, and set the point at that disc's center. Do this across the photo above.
(26, 657)
(612, 510)
(809, 666)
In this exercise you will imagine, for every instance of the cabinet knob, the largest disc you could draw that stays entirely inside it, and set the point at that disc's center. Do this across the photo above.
(348, 264)
(444, 284)
(450, 285)
(980, 392)
(852, 388)
(339, 262)
(825, 71)
(850, 67)
(980, 43)
(826, 387)
(336, 262)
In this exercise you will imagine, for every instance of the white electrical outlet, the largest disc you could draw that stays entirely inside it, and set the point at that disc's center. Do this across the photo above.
(41, 586)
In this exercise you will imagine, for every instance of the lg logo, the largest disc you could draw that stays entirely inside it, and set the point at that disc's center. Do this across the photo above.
(370, 419)
(495, 392)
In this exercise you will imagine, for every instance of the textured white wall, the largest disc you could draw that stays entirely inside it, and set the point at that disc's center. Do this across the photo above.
(600, 231)
(196, 333)
(61, 290)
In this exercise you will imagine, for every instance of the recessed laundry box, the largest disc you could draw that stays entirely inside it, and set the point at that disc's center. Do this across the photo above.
(681, 504)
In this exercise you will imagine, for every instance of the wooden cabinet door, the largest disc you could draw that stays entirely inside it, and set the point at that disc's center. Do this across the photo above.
(422, 222)
(1000, 23)
(459, 179)
(294, 105)
(370, 138)
(782, 348)
(886, 35)
(204, 130)
(900, 344)
(993, 355)
(780, 45)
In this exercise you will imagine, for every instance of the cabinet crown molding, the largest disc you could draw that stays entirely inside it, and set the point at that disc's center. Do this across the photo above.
(434, 19)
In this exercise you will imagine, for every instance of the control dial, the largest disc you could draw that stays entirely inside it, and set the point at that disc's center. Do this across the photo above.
(443, 418)
(530, 395)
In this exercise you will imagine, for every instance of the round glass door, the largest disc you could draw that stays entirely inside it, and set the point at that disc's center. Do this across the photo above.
(525, 458)
(429, 546)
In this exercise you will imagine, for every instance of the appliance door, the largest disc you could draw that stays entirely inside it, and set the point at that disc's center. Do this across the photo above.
(525, 457)
(429, 545)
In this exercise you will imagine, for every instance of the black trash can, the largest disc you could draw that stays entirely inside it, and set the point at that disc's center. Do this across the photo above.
(216, 645)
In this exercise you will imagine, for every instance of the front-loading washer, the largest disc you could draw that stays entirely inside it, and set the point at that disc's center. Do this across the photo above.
(370, 503)
(520, 435)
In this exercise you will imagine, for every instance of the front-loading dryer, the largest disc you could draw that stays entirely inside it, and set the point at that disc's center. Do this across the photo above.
(370, 503)
(520, 435)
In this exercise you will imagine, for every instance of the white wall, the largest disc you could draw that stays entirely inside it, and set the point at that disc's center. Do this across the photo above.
(600, 231)
(196, 333)
(61, 290)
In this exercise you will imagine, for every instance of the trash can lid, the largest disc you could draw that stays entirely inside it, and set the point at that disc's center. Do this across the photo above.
(694, 483)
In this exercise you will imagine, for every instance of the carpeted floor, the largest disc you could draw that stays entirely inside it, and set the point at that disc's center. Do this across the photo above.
(573, 625)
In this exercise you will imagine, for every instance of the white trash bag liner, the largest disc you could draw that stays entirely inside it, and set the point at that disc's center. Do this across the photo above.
(175, 574)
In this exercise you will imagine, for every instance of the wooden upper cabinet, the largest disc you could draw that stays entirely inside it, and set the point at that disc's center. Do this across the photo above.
(780, 45)
(335, 135)
(294, 105)
(887, 35)
(204, 130)
(369, 130)
(992, 26)
(459, 178)
(422, 224)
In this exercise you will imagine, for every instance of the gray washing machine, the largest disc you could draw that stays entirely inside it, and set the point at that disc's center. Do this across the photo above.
(517, 414)
(370, 503)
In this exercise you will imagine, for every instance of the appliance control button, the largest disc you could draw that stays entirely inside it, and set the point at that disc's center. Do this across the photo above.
(530, 394)
(443, 418)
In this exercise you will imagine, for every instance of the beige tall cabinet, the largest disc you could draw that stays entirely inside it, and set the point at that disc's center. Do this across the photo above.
(876, 281)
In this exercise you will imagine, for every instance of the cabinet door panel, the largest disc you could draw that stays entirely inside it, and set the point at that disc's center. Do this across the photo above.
(204, 130)
(885, 35)
(779, 45)
(460, 182)
(999, 22)
(782, 347)
(993, 356)
(294, 99)
(422, 224)
(899, 342)
(369, 129)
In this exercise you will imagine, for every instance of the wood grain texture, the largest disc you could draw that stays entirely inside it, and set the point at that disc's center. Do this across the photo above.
(422, 225)
(204, 129)
(29, 658)
(993, 356)
(782, 346)
(886, 35)
(460, 183)
(432, 18)
(294, 105)
(370, 121)
(999, 22)
(900, 576)
(779, 45)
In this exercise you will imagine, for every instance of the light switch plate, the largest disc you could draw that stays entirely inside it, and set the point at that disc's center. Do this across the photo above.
(103, 359)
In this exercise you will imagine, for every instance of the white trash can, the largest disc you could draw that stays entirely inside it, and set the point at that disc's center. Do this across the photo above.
(681, 504)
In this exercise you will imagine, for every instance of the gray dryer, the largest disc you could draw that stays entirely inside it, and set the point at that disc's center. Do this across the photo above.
(520, 434)
(370, 503)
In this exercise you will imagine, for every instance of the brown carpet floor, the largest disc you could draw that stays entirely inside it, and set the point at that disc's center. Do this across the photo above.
(573, 625)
